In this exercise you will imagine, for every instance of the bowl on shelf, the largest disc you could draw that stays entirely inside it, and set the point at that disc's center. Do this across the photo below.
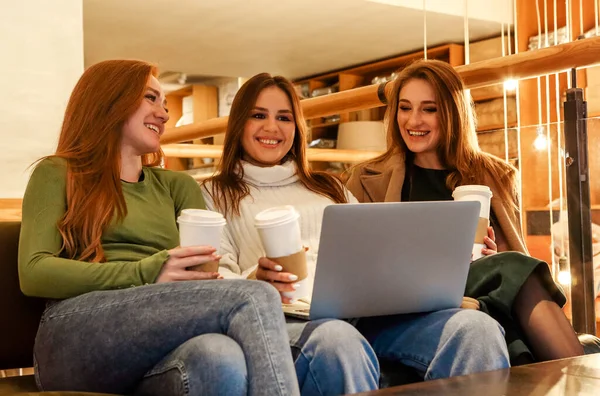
(362, 135)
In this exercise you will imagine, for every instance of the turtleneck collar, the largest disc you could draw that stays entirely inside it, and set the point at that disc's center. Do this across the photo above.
(271, 176)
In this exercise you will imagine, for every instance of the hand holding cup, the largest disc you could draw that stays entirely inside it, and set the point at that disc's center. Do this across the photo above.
(199, 227)
(180, 258)
(270, 271)
(482, 194)
(279, 232)
(490, 243)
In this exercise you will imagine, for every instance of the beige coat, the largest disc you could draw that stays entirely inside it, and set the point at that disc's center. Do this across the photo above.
(382, 182)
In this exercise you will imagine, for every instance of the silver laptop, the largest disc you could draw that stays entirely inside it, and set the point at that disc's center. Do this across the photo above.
(391, 258)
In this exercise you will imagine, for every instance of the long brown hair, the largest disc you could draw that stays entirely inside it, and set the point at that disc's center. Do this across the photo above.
(90, 140)
(228, 187)
(458, 149)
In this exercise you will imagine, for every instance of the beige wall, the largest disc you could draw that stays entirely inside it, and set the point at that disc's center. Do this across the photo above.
(41, 43)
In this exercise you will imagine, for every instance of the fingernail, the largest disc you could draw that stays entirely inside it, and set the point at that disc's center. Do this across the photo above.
(293, 300)
(278, 268)
(293, 277)
(295, 286)
(218, 256)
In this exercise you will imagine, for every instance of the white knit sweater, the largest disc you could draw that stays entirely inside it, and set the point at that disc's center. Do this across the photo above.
(272, 186)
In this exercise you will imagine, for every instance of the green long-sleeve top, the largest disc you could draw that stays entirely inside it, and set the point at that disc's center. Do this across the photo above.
(135, 248)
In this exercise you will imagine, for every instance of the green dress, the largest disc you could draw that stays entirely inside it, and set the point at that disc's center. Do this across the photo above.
(493, 280)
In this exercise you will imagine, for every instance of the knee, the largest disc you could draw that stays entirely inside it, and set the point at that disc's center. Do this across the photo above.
(338, 339)
(476, 325)
(215, 353)
(336, 359)
(263, 292)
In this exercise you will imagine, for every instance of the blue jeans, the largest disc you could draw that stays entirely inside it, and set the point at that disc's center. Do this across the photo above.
(332, 358)
(440, 344)
(182, 338)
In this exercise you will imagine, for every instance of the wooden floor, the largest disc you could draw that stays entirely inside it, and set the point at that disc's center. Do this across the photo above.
(566, 377)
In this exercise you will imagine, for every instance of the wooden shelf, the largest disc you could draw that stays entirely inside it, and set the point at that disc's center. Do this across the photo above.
(594, 114)
(483, 98)
(312, 154)
(454, 52)
(324, 124)
(362, 75)
(185, 91)
(495, 127)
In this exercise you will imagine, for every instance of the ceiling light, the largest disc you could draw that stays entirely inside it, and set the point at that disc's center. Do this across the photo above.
(510, 85)
(564, 278)
(541, 141)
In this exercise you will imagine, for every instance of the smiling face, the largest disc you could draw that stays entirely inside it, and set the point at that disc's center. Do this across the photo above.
(270, 129)
(142, 130)
(418, 122)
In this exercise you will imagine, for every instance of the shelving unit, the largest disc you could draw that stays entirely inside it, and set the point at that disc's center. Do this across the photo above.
(361, 75)
(204, 103)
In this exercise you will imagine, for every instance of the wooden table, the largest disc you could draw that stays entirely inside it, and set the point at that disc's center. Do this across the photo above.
(575, 376)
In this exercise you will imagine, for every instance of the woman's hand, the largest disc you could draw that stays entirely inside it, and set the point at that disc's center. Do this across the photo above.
(175, 268)
(270, 271)
(490, 243)
(470, 303)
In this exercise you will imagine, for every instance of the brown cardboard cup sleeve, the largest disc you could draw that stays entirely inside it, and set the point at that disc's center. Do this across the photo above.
(482, 227)
(252, 275)
(211, 266)
(294, 264)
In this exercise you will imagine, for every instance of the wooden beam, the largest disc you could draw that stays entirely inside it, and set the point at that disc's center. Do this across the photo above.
(215, 151)
(529, 64)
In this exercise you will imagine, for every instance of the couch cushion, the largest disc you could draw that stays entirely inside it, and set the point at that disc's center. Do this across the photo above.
(19, 315)
(591, 344)
(25, 385)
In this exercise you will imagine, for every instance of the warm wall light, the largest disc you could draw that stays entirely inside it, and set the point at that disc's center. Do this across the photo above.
(510, 85)
(541, 141)
(564, 278)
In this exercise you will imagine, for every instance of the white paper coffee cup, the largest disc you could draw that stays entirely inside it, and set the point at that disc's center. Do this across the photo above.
(476, 254)
(199, 227)
(279, 231)
(482, 194)
(475, 192)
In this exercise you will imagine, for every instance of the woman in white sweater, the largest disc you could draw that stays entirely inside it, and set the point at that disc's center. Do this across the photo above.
(331, 356)
(264, 165)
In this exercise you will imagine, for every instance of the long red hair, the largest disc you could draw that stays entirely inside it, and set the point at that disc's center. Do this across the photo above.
(90, 140)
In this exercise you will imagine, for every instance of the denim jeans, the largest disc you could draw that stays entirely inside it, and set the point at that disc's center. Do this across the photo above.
(179, 338)
(332, 358)
(440, 344)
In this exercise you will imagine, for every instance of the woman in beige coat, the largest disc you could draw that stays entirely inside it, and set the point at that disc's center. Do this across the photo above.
(433, 149)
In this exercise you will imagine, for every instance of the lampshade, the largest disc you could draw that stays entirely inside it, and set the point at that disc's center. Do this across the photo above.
(362, 135)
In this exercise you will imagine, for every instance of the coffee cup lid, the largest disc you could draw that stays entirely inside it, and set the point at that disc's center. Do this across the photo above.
(275, 216)
(201, 216)
(472, 188)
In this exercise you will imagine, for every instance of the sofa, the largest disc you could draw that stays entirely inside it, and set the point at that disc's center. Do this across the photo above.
(20, 316)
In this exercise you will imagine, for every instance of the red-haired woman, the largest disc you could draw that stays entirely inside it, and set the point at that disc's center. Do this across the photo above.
(99, 240)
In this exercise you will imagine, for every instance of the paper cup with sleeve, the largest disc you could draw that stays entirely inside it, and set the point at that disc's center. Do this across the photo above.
(279, 232)
(199, 227)
(483, 194)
